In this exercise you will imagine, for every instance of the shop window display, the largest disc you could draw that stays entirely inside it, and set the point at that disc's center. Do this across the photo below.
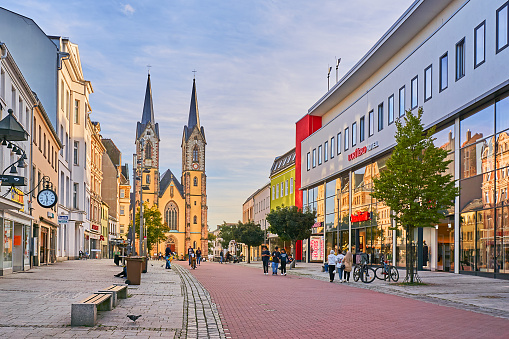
(7, 243)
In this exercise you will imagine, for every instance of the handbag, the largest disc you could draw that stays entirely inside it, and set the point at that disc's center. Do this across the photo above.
(343, 266)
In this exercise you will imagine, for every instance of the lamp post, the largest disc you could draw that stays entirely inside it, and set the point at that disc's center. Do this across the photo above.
(141, 251)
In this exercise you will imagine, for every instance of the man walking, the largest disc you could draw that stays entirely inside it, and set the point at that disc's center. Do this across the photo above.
(265, 259)
(275, 260)
(190, 251)
(198, 256)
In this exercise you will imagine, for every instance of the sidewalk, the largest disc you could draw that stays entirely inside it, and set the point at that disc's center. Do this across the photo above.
(478, 294)
(37, 303)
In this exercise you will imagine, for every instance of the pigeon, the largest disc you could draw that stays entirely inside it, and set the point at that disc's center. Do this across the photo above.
(133, 317)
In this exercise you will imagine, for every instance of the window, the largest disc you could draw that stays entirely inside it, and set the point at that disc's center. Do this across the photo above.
(326, 151)
(76, 152)
(308, 158)
(346, 139)
(195, 154)
(13, 99)
(67, 103)
(354, 134)
(148, 151)
(75, 195)
(428, 83)
(332, 147)
(339, 143)
(76, 111)
(291, 185)
(20, 110)
(320, 155)
(122, 193)
(380, 117)
(282, 189)
(85, 157)
(147, 179)
(62, 95)
(44, 146)
(479, 44)
(371, 122)
(402, 101)
(171, 216)
(286, 187)
(444, 79)
(122, 210)
(314, 158)
(460, 59)
(195, 181)
(65, 146)
(390, 109)
(413, 90)
(502, 27)
(2, 84)
(273, 192)
(361, 129)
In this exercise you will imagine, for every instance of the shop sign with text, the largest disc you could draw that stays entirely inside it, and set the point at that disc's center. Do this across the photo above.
(362, 150)
(360, 216)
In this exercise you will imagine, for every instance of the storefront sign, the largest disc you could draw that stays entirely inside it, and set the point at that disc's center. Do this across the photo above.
(317, 224)
(17, 196)
(360, 151)
(316, 244)
(101, 238)
(360, 216)
(63, 219)
(373, 145)
(95, 227)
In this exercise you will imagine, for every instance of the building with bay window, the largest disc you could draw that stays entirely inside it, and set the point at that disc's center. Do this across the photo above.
(449, 57)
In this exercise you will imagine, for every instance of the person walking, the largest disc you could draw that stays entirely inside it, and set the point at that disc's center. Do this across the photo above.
(198, 256)
(340, 265)
(275, 260)
(284, 258)
(265, 259)
(348, 261)
(221, 257)
(332, 260)
(190, 251)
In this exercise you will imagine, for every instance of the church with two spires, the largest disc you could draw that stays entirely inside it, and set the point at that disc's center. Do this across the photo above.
(182, 203)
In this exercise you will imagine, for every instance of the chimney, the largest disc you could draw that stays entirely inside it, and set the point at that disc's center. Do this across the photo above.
(469, 134)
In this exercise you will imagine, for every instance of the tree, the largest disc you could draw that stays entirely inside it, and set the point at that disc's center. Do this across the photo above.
(290, 223)
(415, 185)
(211, 237)
(249, 234)
(153, 224)
(227, 233)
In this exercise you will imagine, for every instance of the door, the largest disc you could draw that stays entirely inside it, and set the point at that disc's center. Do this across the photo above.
(43, 248)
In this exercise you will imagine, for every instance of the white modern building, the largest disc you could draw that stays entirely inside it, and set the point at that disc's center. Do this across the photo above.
(451, 58)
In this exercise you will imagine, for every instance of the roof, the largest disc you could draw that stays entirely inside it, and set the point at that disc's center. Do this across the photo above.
(194, 115)
(165, 182)
(113, 152)
(283, 162)
(148, 112)
(257, 191)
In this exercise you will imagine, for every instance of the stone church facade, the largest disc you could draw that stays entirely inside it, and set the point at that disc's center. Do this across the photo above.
(182, 203)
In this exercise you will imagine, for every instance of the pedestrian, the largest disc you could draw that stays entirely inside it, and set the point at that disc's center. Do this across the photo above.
(167, 251)
(265, 259)
(348, 261)
(168, 258)
(198, 256)
(228, 256)
(221, 257)
(190, 251)
(193, 261)
(284, 259)
(332, 260)
(340, 265)
(275, 260)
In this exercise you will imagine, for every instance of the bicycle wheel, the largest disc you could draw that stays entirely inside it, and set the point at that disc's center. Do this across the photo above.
(394, 274)
(380, 273)
(356, 273)
(367, 275)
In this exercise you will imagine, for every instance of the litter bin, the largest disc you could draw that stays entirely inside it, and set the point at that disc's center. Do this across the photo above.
(145, 265)
(134, 267)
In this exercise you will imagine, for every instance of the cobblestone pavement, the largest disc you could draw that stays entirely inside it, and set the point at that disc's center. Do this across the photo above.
(253, 305)
(467, 292)
(37, 303)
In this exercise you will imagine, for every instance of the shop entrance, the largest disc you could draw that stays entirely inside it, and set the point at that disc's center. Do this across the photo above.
(44, 246)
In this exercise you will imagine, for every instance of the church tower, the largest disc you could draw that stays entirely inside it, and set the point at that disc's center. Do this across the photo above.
(146, 166)
(194, 180)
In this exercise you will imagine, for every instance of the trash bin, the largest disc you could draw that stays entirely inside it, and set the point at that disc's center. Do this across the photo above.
(145, 265)
(134, 267)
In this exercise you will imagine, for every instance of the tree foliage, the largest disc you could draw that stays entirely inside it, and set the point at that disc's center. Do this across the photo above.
(153, 223)
(290, 223)
(227, 233)
(249, 234)
(414, 184)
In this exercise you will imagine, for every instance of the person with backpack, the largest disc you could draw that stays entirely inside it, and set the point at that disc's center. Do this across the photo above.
(275, 260)
(284, 259)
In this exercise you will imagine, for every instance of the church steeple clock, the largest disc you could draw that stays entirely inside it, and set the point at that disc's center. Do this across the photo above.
(193, 176)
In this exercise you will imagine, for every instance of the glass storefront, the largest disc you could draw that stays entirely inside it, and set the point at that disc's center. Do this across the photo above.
(7, 231)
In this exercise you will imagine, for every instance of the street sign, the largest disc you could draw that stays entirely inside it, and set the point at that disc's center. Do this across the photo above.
(63, 219)
(13, 180)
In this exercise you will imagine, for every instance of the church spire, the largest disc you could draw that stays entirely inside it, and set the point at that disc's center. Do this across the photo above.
(148, 107)
(194, 117)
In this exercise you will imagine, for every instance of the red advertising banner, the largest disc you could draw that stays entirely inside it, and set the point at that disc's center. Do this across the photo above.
(360, 216)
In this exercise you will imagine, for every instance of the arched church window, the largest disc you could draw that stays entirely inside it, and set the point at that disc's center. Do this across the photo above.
(171, 216)
(195, 181)
(194, 244)
(195, 154)
(148, 151)
(195, 219)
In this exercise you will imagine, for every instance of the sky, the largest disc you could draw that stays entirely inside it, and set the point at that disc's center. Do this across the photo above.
(260, 65)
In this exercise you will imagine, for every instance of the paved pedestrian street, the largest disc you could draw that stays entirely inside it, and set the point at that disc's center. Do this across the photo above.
(253, 305)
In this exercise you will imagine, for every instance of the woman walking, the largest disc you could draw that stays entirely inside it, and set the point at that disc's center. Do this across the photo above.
(332, 265)
(348, 261)
(340, 265)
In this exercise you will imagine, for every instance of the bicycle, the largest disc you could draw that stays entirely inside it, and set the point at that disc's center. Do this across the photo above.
(364, 272)
(387, 272)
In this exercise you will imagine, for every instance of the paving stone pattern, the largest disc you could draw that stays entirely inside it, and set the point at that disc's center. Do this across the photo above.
(253, 305)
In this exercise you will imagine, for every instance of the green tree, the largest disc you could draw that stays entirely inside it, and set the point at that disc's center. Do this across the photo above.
(153, 224)
(414, 184)
(290, 223)
(227, 233)
(249, 234)
(211, 237)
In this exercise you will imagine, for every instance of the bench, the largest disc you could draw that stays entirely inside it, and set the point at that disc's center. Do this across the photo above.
(84, 313)
(117, 292)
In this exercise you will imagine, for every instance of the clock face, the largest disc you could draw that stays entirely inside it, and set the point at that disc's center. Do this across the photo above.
(47, 198)
(195, 165)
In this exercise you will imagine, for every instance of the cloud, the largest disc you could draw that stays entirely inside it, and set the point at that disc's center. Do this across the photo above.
(128, 10)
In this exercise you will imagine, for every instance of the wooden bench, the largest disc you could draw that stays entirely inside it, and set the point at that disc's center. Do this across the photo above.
(117, 292)
(84, 313)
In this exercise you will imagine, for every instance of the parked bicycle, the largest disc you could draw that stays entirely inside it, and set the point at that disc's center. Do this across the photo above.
(363, 272)
(387, 272)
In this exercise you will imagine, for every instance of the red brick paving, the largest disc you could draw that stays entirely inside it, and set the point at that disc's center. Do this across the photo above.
(253, 305)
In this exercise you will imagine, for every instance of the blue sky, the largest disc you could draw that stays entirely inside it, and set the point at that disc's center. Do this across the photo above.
(260, 66)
